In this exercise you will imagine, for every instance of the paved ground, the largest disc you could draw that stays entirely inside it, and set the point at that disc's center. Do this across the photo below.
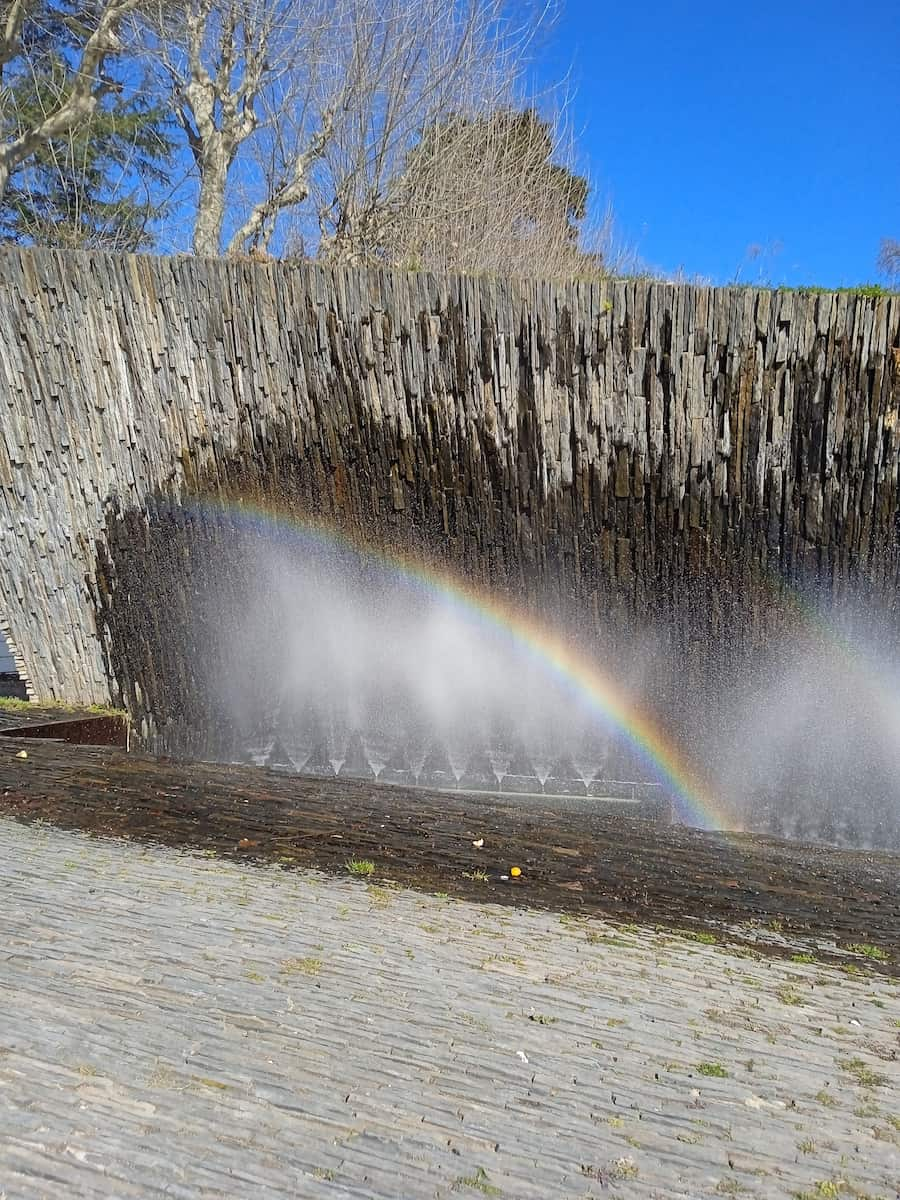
(579, 861)
(178, 1025)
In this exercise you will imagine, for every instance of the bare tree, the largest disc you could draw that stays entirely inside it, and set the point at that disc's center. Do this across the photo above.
(231, 66)
(435, 162)
(406, 65)
(303, 114)
(388, 131)
(495, 193)
(889, 259)
(78, 102)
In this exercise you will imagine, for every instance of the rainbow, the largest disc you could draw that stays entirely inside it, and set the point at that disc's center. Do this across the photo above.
(597, 692)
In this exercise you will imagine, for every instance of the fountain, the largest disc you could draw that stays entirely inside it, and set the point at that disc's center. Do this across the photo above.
(367, 673)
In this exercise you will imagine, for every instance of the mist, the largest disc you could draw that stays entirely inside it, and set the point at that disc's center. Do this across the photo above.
(336, 663)
(808, 742)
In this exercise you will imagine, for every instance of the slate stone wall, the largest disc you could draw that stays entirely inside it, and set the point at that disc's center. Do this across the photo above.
(632, 450)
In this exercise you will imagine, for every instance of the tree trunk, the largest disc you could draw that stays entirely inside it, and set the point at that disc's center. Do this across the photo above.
(5, 172)
(211, 205)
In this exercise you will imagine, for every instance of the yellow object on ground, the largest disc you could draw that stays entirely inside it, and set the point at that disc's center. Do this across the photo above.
(515, 872)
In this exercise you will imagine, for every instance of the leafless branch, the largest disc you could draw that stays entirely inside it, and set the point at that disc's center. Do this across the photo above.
(292, 191)
(889, 259)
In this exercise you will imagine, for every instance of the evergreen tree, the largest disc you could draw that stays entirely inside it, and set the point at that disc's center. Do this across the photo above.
(99, 186)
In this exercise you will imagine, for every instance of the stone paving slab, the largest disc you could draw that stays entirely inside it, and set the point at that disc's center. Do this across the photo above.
(177, 1025)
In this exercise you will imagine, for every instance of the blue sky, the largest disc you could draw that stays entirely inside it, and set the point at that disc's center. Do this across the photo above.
(712, 128)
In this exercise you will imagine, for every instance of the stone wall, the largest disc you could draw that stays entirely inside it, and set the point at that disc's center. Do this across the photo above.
(630, 448)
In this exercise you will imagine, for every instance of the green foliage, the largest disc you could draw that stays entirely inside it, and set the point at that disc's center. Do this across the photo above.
(97, 186)
(871, 290)
(788, 996)
(867, 950)
(362, 867)
(301, 966)
(13, 704)
(824, 1189)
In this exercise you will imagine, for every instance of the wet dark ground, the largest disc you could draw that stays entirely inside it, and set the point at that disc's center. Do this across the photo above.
(761, 889)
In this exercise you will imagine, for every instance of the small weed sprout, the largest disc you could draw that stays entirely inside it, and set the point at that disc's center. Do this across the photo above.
(479, 1182)
(361, 867)
(867, 950)
(863, 1075)
(787, 996)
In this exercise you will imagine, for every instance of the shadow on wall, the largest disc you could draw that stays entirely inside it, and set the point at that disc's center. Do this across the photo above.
(171, 584)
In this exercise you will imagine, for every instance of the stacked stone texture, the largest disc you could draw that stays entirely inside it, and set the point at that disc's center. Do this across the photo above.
(632, 447)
